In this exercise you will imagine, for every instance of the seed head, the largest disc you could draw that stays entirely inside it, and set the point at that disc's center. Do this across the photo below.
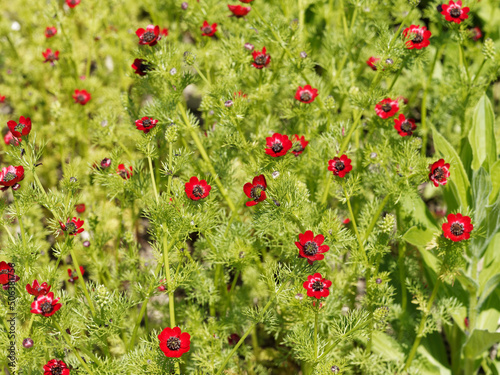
(489, 50)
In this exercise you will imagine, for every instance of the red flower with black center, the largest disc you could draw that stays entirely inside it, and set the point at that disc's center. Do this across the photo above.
(454, 12)
(256, 190)
(72, 226)
(50, 56)
(11, 176)
(476, 33)
(18, 129)
(311, 247)
(418, 37)
(73, 274)
(372, 61)
(208, 30)
(146, 124)
(149, 36)
(7, 275)
(55, 367)
(124, 172)
(387, 108)
(306, 94)
(173, 342)
(404, 126)
(38, 290)
(141, 67)
(261, 59)
(50, 31)
(80, 208)
(238, 10)
(278, 145)
(164, 32)
(340, 166)
(45, 305)
(196, 189)
(316, 286)
(300, 144)
(9, 139)
(457, 228)
(440, 171)
(72, 3)
(81, 97)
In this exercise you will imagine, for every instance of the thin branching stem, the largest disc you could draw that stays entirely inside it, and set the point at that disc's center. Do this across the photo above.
(82, 281)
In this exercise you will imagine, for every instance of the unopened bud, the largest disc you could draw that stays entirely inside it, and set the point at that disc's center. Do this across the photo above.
(105, 163)
(489, 49)
(228, 103)
(173, 71)
(28, 343)
(189, 58)
(329, 102)
(184, 5)
(389, 61)
(86, 243)
(73, 179)
(335, 369)
(249, 46)
(294, 25)
(303, 54)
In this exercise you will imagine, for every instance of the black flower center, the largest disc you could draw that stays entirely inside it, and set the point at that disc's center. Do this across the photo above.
(457, 229)
(310, 248)
(174, 343)
(19, 127)
(80, 97)
(305, 96)
(260, 60)
(71, 228)
(4, 271)
(198, 191)
(386, 107)
(46, 307)
(277, 147)
(50, 32)
(148, 36)
(317, 286)
(56, 370)
(418, 38)
(256, 191)
(51, 56)
(146, 123)
(438, 174)
(406, 126)
(339, 165)
(72, 2)
(207, 29)
(9, 176)
(455, 12)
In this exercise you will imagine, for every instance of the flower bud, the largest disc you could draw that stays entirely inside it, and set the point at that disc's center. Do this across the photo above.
(335, 369)
(329, 102)
(27, 343)
(249, 46)
(173, 71)
(228, 103)
(86, 243)
(294, 25)
(489, 50)
(379, 280)
(171, 133)
(184, 5)
(189, 58)
(275, 174)
(73, 179)
(105, 163)
(303, 54)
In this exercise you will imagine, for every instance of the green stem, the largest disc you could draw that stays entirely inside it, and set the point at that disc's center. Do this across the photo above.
(421, 327)
(20, 220)
(345, 143)
(170, 161)
(353, 220)
(469, 361)
(402, 273)
(10, 234)
(479, 71)
(201, 75)
(82, 282)
(375, 217)
(316, 334)
(462, 60)
(327, 189)
(153, 178)
(68, 341)
(171, 302)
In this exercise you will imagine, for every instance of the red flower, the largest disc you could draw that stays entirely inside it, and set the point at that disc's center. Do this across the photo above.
(340, 166)
(316, 286)
(239, 11)
(476, 33)
(45, 305)
(196, 189)
(18, 129)
(50, 31)
(346, 221)
(278, 145)
(174, 343)
(457, 228)
(310, 247)
(150, 36)
(454, 12)
(72, 226)
(404, 126)
(440, 171)
(300, 144)
(9, 139)
(256, 190)
(140, 67)
(73, 274)
(164, 31)
(123, 172)
(208, 30)
(146, 124)
(72, 3)
(306, 94)
(2, 99)
(50, 56)
(239, 94)
(55, 367)
(80, 208)
(38, 290)
(81, 96)
(7, 275)
(11, 176)
(233, 338)
(387, 108)
(419, 37)
(246, 1)
(261, 59)
(372, 61)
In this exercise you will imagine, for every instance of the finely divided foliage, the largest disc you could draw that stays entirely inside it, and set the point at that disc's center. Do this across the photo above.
(272, 187)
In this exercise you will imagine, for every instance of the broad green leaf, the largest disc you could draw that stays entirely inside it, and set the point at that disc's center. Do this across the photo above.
(479, 341)
(386, 346)
(482, 135)
(495, 181)
(419, 237)
(458, 178)
(490, 285)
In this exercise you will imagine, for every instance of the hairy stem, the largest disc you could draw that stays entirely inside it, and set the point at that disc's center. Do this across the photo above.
(20, 220)
(82, 282)
(375, 217)
(153, 182)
